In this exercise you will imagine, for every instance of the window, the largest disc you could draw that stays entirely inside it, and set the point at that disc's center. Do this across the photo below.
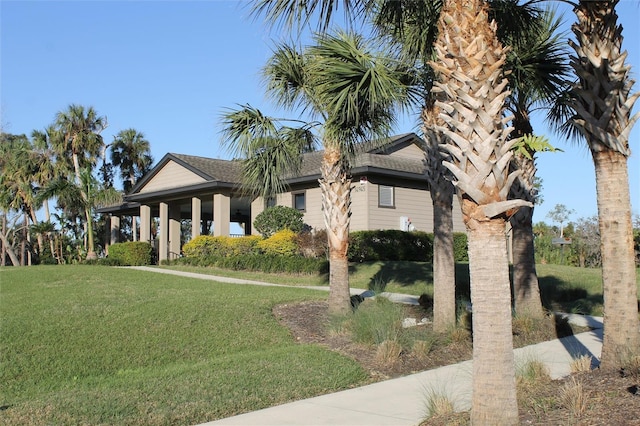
(271, 202)
(299, 201)
(386, 196)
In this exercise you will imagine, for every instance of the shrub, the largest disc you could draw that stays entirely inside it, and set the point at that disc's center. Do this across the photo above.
(208, 245)
(132, 253)
(391, 244)
(281, 243)
(277, 218)
(312, 244)
(460, 253)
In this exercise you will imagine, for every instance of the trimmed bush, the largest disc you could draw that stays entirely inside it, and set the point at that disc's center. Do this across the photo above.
(277, 218)
(261, 262)
(132, 253)
(208, 245)
(281, 243)
(391, 244)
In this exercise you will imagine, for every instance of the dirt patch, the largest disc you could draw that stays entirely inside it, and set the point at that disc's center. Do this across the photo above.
(611, 397)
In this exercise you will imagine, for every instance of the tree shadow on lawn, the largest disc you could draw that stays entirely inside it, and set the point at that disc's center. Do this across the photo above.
(406, 274)
(558, 295)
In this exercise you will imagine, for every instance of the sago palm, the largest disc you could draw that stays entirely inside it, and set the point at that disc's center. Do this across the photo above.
(602, 101)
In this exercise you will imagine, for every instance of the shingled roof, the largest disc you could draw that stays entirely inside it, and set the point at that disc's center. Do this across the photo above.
(371, 156)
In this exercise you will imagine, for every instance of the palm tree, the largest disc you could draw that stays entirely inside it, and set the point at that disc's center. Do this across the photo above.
(602, 102)
(469, 68)
(131, 153)
(271, 147)
(19, 165)
(84, 197)
(76, 134)
(352, 93)
(538, 77)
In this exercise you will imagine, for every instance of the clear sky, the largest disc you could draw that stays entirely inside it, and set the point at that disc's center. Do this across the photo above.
(170, 68)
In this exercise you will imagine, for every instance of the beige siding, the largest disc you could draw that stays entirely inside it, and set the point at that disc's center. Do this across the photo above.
(410, 151)
(415, 204)
(359, 206)
(172, 175)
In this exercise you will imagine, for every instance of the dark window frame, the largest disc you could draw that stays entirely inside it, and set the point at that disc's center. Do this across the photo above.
(392, 204)
(294, 198)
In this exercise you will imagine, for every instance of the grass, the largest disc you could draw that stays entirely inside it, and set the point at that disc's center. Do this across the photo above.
(98, 345)
(563, 288)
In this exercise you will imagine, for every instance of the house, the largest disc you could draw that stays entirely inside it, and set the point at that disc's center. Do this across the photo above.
(389, 191)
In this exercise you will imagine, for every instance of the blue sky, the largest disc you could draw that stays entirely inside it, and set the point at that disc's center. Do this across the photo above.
(170, 68)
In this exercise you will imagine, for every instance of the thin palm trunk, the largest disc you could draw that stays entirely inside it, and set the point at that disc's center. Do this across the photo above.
(442, 191)
(336, 204)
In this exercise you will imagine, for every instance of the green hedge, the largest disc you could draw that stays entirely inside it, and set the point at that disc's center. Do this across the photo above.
(261, 262)
(391, 244)
(133, 253)
(368, 246)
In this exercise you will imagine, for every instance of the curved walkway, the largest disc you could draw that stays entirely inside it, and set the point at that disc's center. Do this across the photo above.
(402, 401)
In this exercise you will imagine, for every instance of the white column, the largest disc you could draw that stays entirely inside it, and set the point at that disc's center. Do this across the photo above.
(196, 216)
(163, 232)
(221, 214)
(174, 231)
(134, 228)
(145, 223)
(115, 229)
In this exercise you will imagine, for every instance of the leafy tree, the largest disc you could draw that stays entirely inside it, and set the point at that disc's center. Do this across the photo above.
(560, 214)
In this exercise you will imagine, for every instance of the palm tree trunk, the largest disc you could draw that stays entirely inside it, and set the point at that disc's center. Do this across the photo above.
(336, 204)
(442, 191)
(91, 251)
(6, 248)
(494, 387)
(622, 328)
(603, 103)
(526, 289)
(444, 279)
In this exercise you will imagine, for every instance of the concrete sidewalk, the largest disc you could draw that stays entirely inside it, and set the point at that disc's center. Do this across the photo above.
(402, 401)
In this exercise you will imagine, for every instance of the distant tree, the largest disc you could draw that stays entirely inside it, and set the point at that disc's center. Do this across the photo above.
(560, 214)
(131, 153)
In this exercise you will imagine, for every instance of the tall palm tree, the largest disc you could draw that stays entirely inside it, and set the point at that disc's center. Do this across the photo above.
(539, 75)
(77, 136)
(469, 68)
(413, 24)
(352, 93)
(131, 153)
(602, 102)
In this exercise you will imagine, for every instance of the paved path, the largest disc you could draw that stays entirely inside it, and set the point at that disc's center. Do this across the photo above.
(401, 401)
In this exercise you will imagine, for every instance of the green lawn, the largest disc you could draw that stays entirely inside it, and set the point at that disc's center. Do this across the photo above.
(98, 345)
(563, 288)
